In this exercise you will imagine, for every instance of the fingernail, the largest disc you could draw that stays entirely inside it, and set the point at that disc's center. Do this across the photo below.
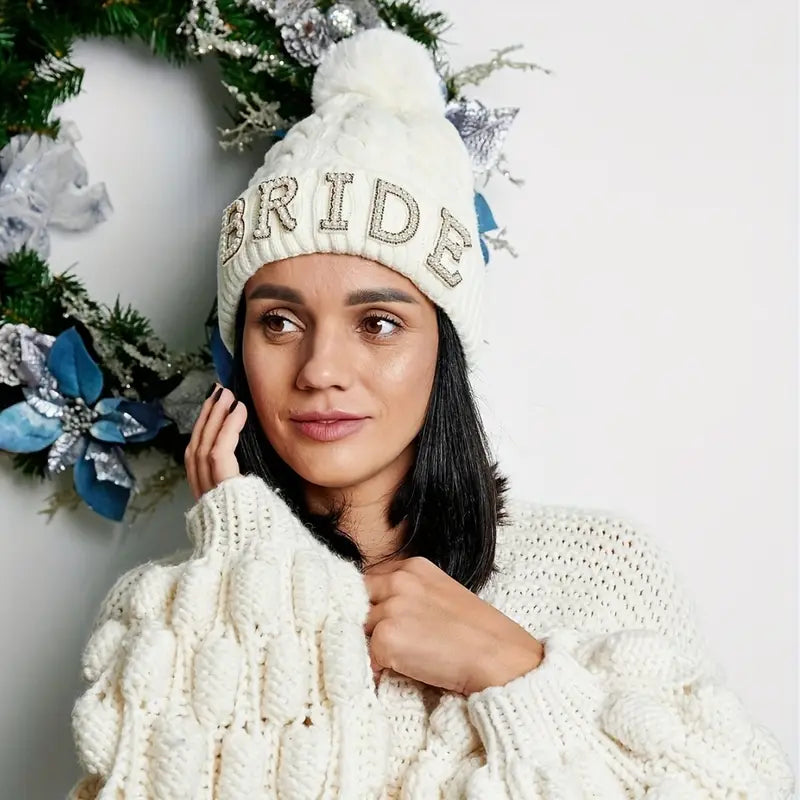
(219, 392)
(210, 389)
(233, 405)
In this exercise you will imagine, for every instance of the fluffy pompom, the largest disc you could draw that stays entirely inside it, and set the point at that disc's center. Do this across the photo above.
(386, 66)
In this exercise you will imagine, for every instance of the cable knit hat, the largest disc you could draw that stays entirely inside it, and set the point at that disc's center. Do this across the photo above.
(376, 170)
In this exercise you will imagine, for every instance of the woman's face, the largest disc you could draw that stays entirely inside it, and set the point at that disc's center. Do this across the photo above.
(339, 335)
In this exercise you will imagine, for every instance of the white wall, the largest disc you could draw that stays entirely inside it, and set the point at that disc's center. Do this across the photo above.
(642, 353)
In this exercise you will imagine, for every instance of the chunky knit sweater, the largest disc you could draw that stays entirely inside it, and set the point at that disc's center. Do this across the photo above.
(239, 670)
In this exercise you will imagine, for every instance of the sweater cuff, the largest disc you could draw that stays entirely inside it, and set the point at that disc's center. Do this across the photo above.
(238, 512)
(538, 715)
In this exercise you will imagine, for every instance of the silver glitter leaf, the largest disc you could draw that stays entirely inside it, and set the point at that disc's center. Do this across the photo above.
(483, 130)
(65, 451)
(23, 354)
(128, 425)
(45, 398)
(182, 404)
(109, 464)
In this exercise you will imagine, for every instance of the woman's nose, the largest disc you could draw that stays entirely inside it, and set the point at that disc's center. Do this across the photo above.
(327, 361)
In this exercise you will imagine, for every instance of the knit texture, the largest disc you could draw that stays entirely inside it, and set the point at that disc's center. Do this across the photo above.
(239, 668)
(377, 170)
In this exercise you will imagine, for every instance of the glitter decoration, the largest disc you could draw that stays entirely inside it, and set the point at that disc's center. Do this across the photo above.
(308, 39)
(63, 414)
(23, 351)
(287, 12)
(207, 32)
(342, 21)
(367, 13)
(65, 452)
(110, 465)
(482, 129)
(258, 117)
(157, 359)
(475, 73)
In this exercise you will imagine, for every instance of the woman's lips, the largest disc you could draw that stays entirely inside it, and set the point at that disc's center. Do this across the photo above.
(329, 431)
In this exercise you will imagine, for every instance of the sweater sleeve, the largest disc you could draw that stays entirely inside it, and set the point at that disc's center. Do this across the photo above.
(236, 669)
(639, 712)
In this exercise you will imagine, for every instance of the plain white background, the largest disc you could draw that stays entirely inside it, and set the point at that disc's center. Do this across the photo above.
(642, 350)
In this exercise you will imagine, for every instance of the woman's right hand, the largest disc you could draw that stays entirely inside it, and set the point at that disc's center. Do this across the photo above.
(210, 455)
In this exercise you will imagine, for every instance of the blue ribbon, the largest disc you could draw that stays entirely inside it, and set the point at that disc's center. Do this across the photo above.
(486, 222)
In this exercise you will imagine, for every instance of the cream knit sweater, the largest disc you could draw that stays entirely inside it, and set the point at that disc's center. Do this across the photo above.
(239, 670)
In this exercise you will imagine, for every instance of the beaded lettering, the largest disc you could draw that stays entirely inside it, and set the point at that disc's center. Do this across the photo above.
(232, 234)
(456, 249)
(376, 231)
(334, 221)
(279, 205)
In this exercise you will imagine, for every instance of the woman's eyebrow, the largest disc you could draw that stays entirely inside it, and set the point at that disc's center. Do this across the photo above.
(273, 291)
(387, 295)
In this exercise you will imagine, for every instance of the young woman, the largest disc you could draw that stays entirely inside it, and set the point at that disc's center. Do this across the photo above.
(348, 515)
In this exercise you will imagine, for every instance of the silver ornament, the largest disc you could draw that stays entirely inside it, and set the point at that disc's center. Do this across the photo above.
(367, 13)
(307, 40)
(287, 12)
(342, 21)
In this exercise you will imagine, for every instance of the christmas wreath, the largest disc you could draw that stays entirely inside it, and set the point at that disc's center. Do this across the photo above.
(87, 386)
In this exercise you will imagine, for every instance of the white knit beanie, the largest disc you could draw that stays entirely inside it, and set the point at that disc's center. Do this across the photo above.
(376, 170)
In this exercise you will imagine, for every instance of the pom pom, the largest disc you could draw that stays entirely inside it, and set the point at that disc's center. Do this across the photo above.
(386, 67)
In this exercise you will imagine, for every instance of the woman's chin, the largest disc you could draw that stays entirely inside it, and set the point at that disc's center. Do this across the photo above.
(334, 466)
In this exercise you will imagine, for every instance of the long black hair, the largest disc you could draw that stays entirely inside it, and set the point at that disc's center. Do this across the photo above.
(453, 496)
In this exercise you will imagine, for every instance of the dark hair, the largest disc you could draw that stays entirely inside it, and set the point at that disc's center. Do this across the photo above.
(452, 498)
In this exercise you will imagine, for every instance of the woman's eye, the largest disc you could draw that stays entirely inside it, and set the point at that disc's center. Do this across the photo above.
(380, 326)
(275, 323)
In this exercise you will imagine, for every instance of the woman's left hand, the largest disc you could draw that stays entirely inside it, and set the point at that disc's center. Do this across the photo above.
(426, 625)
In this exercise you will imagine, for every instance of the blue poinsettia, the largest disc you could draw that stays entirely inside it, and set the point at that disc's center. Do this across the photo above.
(62, 412)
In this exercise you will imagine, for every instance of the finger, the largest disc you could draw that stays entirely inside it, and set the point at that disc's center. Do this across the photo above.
(222, 458)
(222, 400)
(375, 614)
(197, 435)
(189, 455)
(381, 586)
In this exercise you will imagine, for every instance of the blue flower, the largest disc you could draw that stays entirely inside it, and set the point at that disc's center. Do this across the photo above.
(486, 222)
(58, 413)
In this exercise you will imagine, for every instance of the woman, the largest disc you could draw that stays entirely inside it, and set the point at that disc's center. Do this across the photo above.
(348, 514)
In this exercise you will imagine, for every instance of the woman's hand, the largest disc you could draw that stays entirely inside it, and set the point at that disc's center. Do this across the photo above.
(209, 457)
(426, 625)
